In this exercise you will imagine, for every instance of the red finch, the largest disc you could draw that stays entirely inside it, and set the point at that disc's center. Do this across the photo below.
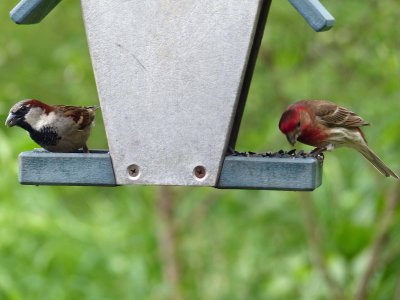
(57, 128)
(325, 125)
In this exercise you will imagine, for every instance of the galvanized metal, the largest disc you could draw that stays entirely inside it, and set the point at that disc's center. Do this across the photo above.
(270, 173)
(315, 14)
(40, 167)
(32, 11)
(169, 74)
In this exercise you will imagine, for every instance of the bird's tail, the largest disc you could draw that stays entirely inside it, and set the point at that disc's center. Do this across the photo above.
(375, 160)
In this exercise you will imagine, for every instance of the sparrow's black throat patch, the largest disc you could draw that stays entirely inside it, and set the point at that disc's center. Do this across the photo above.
(46, 136)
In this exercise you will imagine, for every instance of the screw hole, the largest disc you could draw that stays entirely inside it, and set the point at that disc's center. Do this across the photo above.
(133, 171)
(199, 172)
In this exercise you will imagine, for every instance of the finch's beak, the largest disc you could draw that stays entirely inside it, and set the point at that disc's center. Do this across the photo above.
(12, 120)
(292, 137)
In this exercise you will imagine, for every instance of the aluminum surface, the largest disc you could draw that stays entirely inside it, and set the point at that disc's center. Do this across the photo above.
(40, 167)
(315, 14)
(271, 173)
(169, 74)
(32, 11)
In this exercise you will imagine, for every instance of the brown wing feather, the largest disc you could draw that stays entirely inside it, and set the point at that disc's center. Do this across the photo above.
(83, 116)
(331, 114)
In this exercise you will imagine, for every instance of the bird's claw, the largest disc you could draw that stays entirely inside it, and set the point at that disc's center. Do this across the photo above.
(317, 152)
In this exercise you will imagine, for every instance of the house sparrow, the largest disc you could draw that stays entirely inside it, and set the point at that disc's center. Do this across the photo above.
(57, 128)
(325, 125)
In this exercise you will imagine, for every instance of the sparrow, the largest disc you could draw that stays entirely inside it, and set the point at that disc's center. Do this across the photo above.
(56, 128)
(325, 125)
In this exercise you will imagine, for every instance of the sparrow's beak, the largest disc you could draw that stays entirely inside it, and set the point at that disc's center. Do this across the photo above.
(292, 137)
(12, 120)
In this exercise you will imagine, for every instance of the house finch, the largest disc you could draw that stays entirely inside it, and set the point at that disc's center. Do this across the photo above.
(57, 128)
(325, 125)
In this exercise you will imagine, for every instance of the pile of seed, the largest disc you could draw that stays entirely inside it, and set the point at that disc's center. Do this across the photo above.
(278, 154)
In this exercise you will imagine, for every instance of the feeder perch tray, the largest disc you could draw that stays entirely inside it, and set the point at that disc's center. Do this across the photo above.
(282, 172)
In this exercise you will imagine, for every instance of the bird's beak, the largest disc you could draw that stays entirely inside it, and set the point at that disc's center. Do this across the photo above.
(12, 120)
(292, 137)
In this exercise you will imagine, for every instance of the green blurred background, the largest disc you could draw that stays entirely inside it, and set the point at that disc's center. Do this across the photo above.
(202, 243)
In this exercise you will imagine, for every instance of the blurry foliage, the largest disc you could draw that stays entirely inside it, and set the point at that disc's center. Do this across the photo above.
(102, 243)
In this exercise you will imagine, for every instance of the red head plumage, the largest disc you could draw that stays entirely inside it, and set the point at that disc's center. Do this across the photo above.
(289, 120)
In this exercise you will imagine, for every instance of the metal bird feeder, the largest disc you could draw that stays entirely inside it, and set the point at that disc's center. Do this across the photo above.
(172, 78)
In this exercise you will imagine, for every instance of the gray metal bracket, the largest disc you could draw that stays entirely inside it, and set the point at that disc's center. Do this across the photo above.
(270, 173)
(40, 167)
(32, 11)
(315, 14)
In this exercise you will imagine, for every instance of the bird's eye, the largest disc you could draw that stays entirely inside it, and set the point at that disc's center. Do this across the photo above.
(298, 125)
(23, 109)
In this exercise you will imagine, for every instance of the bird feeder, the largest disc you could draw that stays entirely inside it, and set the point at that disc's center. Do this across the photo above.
(172, 78)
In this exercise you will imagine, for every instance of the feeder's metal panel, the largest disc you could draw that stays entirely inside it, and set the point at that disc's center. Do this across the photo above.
(169, 74)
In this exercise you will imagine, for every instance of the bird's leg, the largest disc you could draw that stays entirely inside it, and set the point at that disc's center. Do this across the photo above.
(85, 149)
(317, 151)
